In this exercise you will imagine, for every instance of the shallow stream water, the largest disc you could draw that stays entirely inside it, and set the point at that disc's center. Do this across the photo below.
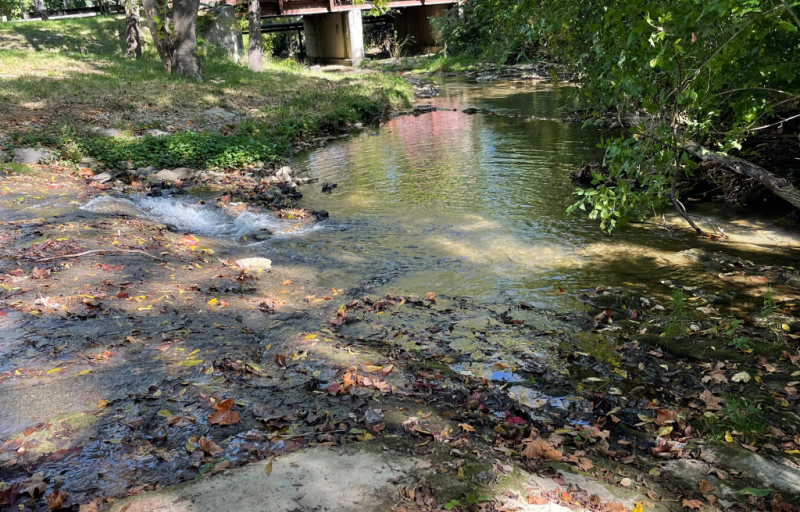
(467, 205)
(476, 204)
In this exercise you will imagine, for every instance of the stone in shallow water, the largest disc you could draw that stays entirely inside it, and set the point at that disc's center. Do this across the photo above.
(260, 264)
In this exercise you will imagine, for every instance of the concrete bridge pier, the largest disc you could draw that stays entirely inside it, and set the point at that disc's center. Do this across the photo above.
(334, 38)
(413, 24)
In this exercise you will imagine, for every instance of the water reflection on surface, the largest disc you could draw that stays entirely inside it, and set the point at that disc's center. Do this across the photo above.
(473, 205)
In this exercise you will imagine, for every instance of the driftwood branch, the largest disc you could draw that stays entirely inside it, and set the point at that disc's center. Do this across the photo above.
(779, 186)
(107, 251)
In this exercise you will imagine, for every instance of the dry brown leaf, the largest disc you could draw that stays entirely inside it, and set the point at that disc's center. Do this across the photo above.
(431, 297)
(96, 505)
(224, 415)
(539, 449)
(466, 428)
(208, 446)
(585, 464)
(712, 402)
(705, 486)
(692, 503)
(35, 485)
(665, 416)
(56, 498)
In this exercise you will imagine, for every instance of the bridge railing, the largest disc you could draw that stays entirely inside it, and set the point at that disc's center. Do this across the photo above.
(301, 7)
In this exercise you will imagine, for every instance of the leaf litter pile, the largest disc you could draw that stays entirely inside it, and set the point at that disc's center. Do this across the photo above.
(140, 372)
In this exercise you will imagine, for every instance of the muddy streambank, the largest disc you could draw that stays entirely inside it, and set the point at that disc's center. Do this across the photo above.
(439, 350)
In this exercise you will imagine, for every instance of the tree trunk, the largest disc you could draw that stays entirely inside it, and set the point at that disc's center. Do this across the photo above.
(255, 59)
(185, 61)
(779, 186)
(160, 30)
(133, 30)
(42, 9)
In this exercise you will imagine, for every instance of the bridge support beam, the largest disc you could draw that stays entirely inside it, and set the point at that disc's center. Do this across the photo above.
(334, 38)
(413, 25)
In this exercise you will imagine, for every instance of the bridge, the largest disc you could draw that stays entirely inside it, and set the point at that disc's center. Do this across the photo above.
(334, 31)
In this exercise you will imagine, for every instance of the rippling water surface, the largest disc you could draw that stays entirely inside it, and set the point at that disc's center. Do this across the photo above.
(471, 204)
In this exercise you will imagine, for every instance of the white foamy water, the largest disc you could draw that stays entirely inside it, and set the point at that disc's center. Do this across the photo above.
(185, 214)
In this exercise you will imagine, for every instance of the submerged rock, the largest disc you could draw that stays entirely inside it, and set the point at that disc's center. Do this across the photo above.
(259, 264)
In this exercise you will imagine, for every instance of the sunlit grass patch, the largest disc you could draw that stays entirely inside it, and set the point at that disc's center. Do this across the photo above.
(60, 94)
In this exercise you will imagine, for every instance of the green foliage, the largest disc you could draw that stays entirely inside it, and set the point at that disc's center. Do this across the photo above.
(770, 307)
(739, 414)
(248, 143)
(712, 73)
(677, 315)
(14, 8)
(452, 504)
(741, 343)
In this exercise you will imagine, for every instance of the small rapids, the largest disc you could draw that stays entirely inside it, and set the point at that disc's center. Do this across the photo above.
(186, 213)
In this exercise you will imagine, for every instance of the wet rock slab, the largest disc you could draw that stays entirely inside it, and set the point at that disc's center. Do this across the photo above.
(314, 479)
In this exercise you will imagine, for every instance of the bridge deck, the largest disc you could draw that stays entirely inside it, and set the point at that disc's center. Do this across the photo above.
(274, 8)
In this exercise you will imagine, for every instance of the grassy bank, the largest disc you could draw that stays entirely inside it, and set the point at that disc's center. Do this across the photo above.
(62, 79)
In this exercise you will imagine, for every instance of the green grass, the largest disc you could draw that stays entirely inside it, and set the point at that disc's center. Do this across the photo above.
(63, 78)
(742, 417)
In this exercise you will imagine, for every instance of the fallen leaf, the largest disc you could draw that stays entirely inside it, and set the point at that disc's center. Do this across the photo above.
(751, 491)
(712, 402)
(705, 486)
(268, 467)
(224, 415)
(208, 446)
(585, 464)
(625, 482)
(96, 505)
(102, 403)
(692, 504)
(741, 377)
(664, 416)
(55, 499)
(431, 297)
(466, 428)
(539, 449)
(35, 485)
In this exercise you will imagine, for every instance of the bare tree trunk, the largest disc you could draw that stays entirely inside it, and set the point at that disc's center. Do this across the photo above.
(779, 186)
(185, 61)
(255, 59)
(42, 9)
(133, 30)
(160, 30)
